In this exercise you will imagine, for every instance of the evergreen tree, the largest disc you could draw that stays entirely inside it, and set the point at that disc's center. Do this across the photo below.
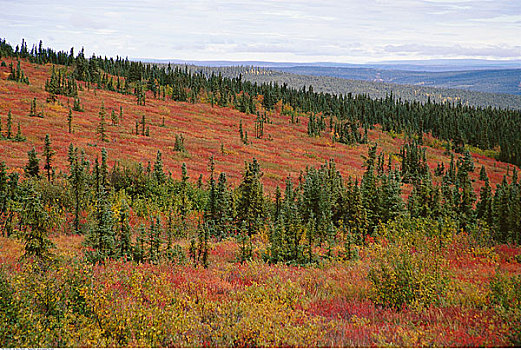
(36, 222)
(101, 239)
(69, 121)
(159, 174)
(484, 206)
(250, 206)
(32, 169)
(48, 153)
(101, 130)
(19, 137)
(392, 203)
(114, 118)
(184, 190)
(222, 204)
(9, 125)
(370, 190)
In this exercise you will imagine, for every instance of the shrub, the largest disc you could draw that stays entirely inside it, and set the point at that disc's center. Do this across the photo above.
(408, 267)
(506, 295)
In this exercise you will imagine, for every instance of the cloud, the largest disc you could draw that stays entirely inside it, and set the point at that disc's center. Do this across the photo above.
(300, 30)
(495, 51)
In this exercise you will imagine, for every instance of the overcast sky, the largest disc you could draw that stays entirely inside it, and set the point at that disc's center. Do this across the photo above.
(350, 31)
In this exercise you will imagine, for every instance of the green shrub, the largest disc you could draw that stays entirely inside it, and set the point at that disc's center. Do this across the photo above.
(408, 267)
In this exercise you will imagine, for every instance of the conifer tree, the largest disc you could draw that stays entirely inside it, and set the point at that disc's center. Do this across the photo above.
(483, 174)
(114, 118)
(101, 239)
(32, 169)
(101, 130)
(184, 194)
(33, 112)
(69, 121)
(154, 240)
(9, 125)
(211, 205)
(139, 248)
(19, 137)
(36, 222)
(48, 153)
(223, 210)
(77, 181)
(484, 206)
(159, 174)
(370, 190)
(250, 206)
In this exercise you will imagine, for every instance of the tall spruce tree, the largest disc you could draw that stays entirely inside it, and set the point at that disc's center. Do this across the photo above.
(32, 169)
(48, 153)
(102, 125)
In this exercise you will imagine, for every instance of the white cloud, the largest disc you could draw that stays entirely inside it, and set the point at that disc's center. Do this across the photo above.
(298, 30)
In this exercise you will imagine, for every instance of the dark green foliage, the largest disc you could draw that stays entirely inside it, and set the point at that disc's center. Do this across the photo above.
(316, 124)
(154, 241)
(114, 118)
(17, 74)
(250, 201)
(198, 250)
(101, 240)
(77, 105)
(61, 83)
(48, 153)
(124, 238)
(245, 245)
(102, 125)
(179, 145)
(159, 173)
(36, 223)
(32, 169)
(414, 162)
(9, 125)
(77, 181)
(19, 137)
(33, 112)
(69, 121)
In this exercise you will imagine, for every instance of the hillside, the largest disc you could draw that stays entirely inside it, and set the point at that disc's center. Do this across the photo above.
(284, 151)
(400, 239)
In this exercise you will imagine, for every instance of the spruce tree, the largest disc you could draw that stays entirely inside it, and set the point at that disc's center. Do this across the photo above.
(19, 137)
(184, 190)
(36, 222)
(159, 174)
(32, 169)
(77, 182)
(9, 125)
(69, 121)
(101, 239)
(48, 153)
(250, 206)
(101, 130)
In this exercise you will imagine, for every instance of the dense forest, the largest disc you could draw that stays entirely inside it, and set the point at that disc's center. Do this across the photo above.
(328, 80)
(137, 216)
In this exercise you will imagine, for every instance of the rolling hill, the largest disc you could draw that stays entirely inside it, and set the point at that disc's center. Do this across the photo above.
(285, 150)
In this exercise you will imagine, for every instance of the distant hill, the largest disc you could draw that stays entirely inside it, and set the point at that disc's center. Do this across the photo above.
(507, 81)
(375, 89)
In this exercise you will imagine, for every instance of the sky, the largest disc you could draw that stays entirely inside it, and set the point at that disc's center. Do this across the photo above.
(348, 31)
